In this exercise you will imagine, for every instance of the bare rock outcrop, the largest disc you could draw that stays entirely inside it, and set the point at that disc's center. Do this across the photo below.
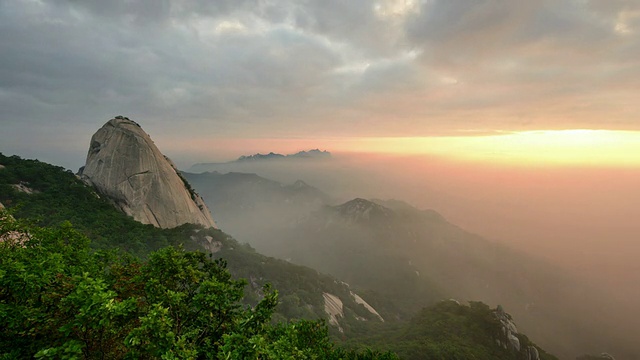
(510, 338)
(334, 308)
(125, 165)
(366, 305)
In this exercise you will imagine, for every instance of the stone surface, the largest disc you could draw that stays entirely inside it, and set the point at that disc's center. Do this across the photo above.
(366, 305)
(333, 307)
(532, 353)
(511, 340)
(24, 188)
(125, 165)
(12, 237)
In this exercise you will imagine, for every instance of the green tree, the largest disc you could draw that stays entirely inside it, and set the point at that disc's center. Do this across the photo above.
(59, 299)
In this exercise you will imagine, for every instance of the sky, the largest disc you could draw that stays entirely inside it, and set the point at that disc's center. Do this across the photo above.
(212, 80)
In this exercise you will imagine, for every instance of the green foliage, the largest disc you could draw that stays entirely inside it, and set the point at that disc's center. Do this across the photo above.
(188, 186)
(59, 299)
(46, 289)
(448, 330)
(62, 296)
(59, 196)
(301, 287)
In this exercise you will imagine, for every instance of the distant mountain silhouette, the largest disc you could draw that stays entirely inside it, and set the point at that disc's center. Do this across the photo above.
(314, 154)
(311, 154)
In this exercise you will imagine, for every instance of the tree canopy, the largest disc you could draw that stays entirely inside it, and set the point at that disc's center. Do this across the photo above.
(60, 299)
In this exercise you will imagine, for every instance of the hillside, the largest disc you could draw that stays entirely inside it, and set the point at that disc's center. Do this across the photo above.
(60, 300)
(46, 195)
(405, 258)
(237, 199)
(56, 196)
(408, 250)
(450, 330)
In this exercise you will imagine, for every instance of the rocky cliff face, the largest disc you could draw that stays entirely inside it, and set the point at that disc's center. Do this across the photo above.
(124, 164)
(510, 338)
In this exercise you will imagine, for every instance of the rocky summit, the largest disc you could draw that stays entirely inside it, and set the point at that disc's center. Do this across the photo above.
(125, 165)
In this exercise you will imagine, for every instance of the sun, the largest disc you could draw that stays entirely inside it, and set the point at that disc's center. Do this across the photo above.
(567, 147)
(572, 147)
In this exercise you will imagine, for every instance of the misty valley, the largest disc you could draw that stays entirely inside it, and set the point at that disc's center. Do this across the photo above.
(133, 258)
(320, 179)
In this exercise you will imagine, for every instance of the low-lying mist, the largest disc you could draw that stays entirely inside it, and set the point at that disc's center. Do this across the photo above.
(581, 219)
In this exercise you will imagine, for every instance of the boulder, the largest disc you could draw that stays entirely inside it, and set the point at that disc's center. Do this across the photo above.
(125, 165)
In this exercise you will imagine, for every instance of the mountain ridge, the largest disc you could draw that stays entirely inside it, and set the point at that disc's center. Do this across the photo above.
(299, 285)
(301, 288)
(417, 257)
(375, 217)
(303, 155)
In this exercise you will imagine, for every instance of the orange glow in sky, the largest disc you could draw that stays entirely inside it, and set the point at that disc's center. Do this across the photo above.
(543, 147)
(591, 148)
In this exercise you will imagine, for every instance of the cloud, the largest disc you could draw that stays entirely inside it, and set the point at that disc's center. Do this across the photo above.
(246, 68)
(463, 32)
(97, 56)
(514, 59)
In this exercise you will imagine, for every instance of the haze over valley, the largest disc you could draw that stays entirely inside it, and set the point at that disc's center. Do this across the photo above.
(546, 212)
(422, 175)
(400, 258)
(580, 217)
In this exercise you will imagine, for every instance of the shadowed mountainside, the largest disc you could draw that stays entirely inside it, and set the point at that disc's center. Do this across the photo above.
(415, 257)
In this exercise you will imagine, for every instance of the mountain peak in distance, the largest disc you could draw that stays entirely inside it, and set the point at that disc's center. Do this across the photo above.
(310, 154)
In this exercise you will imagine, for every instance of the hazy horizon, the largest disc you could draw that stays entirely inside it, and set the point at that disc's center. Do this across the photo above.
(557, 212)
(580, 218)
(579, 215)
(516, 120)
(319, 74)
